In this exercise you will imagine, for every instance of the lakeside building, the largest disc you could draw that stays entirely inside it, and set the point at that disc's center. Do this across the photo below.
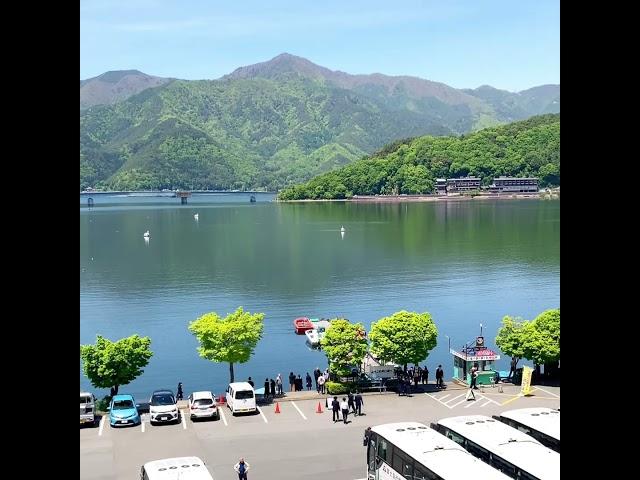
(463, 184)
(441, 186)
(513, 184)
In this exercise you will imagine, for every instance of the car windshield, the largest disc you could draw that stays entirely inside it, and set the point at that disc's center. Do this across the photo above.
(244, 394)
(162, 399)
(84, 400)
(122, 404)
(203, 402)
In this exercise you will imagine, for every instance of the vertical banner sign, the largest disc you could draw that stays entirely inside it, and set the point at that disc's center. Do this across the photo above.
(526, 381)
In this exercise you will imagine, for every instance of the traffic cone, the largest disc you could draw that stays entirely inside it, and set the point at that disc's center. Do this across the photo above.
(277, 407)
(319, 409)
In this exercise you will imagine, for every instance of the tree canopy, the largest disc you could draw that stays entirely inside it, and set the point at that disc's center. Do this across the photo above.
(230, 339)
(404, 337)
(520, 149)
(537, 340)
(345, 344)
(110, 364)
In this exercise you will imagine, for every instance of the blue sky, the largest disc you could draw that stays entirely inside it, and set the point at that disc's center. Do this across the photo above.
(512, 44)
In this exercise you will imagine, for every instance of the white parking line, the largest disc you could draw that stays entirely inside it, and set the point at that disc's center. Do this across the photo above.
(461, 401)
(142, 424)
(444, 396)
(482, 397)
(224, 419)
(470, 403)
(546, 391)
(101, 425)
(184, 421)
(485, 404)
(453, 399)
(263, 417)
(299, 411)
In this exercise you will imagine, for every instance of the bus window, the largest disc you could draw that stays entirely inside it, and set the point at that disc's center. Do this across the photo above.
(525, 476)
(382, 449)
(371, 454)
(478, 451)
(503, 466)
(455, 437)
(402, 463)
(422, 473)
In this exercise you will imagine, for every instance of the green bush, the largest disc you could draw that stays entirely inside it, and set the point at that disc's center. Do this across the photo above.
(103, 404)
(338, 388)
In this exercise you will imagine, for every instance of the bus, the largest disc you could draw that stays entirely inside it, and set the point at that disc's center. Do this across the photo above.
(511, 451)
(543, 424)
(413, 451)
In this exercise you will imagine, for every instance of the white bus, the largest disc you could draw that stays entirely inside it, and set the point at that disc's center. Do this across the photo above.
(512, 452)
(543, 424)
(179, 468)
(413, 451)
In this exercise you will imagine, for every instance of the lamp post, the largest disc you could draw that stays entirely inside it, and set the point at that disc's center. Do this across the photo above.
(449, 339)
(480, 329)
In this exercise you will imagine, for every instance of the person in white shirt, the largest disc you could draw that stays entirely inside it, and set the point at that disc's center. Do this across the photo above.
(321, 384)
(344, 406)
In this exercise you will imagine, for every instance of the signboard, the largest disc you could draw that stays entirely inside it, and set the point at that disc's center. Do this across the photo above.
(526, 381)
(484, 354)
(479, 342)
(385, 472)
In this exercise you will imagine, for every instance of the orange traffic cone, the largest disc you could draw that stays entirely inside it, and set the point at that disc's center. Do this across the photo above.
(277, 407)
(319, 409)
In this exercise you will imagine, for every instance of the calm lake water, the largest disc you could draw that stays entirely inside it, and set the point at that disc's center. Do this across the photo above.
(466, 263)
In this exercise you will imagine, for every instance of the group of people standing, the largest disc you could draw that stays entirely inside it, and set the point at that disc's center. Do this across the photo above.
(350, 403)
(417, 375)
(296, 385)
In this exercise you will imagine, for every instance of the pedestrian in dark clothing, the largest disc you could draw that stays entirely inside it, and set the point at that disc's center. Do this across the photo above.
(425, 375)
(267, 388)
(335, 407)
(344, 406)
(474, 376)
(299, 386)
(367, 436)
(309, 382)
(359, 402)
(250, 382)
(273, 387)
(350, 403)
(292, 382)
(179, 392)
(439, 376)
(316, 374)
(416, 378)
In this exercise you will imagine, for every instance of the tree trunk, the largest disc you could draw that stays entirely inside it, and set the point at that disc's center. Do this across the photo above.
(115, 389)
(231, 377)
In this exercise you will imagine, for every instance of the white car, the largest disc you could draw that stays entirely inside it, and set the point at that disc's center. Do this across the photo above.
(241, 398)
(163, 407)
(203, 405)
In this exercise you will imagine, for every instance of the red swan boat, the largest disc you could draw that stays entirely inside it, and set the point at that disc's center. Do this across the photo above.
(302, 324)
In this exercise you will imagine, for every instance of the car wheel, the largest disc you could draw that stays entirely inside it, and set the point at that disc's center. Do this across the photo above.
(151, 422)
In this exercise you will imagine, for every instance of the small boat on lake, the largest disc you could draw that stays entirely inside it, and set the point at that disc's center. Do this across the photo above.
(302, 324)
(313, 337)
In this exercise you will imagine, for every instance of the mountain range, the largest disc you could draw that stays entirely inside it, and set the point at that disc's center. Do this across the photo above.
(270, 124)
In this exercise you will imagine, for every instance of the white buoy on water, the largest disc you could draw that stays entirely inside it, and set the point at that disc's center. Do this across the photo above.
(146, 234)
(196, 217)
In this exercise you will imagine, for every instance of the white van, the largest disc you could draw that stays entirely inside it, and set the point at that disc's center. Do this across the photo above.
(191, 468)
(241, 397)
(87, 408)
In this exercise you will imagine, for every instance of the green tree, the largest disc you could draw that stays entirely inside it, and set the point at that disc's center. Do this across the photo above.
(510, 337)
(404, 337)
(345, 344)
(541, 338)
(230, 339)
(110, 364)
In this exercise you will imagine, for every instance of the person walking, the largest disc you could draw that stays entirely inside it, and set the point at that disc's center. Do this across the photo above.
(344, 406)
(292, 382)
(250, 382)
(335, 407)
(241, 469)
(179, 392)
(321, 384)
(309, 382)
(474, 376)
(359, 402)
(350, 403)
(279, 384)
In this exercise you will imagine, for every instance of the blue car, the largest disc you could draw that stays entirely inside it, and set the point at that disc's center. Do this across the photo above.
(123, 411)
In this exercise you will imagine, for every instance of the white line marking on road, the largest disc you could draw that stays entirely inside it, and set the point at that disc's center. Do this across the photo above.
(263, 417)
(461, 401)
(470, 403)
(453, 399)
(299, 411)
(224, 419)
(482, 397)
(142, 424)
(546, 391)
(444, 396)
(184, 421)
(101, 425)
(485, 404)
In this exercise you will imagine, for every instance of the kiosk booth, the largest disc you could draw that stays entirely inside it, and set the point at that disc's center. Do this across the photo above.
(471, 354)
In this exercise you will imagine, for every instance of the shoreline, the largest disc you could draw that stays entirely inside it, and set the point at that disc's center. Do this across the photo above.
(427, 198)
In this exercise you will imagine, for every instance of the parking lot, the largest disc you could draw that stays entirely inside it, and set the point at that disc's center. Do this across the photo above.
(296, 443)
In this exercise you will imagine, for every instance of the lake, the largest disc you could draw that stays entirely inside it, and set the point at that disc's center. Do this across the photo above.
(467, 263)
